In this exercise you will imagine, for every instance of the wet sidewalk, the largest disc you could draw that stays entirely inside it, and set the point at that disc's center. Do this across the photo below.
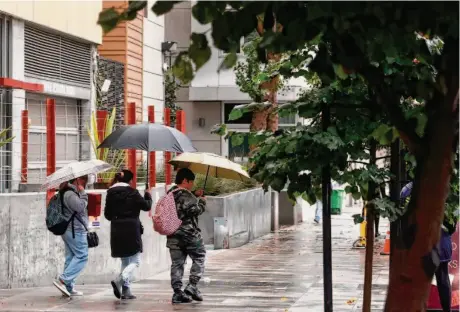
(280, 272)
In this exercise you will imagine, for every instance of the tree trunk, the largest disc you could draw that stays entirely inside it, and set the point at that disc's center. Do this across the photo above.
(267, 118)
(413, 262)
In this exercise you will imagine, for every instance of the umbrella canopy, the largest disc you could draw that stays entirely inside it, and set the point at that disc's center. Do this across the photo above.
(148, 137)
(211, 165)
(75, 170)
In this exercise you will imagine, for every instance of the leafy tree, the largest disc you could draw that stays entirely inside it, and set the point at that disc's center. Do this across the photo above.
(375, 42)
(171, 88)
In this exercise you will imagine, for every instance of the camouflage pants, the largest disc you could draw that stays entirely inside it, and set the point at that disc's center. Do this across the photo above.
(179, 250)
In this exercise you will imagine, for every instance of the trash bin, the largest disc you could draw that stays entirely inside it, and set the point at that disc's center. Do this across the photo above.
(337, 201)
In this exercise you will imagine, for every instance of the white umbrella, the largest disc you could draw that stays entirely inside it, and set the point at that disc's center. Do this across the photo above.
(211, 165)
(75, 170)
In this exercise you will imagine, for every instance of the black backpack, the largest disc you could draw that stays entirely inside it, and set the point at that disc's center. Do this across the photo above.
(55, 219)
(58, 224)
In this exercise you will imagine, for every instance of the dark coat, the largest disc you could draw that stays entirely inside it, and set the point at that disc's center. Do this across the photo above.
(445, 243)
(122, 207)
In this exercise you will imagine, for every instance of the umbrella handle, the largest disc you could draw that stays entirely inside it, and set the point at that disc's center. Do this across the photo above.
(206, 179)
(147, 176)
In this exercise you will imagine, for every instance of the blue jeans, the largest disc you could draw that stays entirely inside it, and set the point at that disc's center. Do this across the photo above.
(319, 210)
(76, 257)
(128, 265)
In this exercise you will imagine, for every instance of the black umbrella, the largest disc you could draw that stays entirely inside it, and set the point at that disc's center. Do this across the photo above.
(148, 137)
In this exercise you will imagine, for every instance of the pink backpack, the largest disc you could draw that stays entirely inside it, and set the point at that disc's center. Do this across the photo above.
(165, 219)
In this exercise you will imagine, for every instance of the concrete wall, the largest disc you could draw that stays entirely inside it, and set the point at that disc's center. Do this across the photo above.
(32, 256)
(248, 216)
(201, 137)
(77, 18)
(289, 213)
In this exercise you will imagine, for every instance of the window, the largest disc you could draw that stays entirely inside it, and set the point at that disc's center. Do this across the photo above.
(5, 46)
(285, 121)
(240, 154)
(67, 134)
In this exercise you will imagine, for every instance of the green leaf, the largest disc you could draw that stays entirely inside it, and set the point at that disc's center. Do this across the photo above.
(199, 50)
(357, 218)
(203, 12)
(219, 129)
(348, 189)
(356, 195)
(237, 139)
(278, 184)
(183, 68)
(291, 147)
(235, 114)
(163, 7)
(309, 197)
(229, 61)
(108, 19)
(339, 71)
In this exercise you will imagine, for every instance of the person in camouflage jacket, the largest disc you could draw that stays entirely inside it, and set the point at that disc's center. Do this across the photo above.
(187, 240)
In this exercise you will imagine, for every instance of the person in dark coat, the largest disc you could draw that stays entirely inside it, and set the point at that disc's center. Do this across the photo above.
(122, 207)
(444, 249)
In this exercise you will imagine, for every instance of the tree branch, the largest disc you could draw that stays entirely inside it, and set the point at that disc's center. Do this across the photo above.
(358, 162)
(389, 101)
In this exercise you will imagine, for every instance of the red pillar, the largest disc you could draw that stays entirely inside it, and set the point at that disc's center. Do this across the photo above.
(167, 121)
(152, 158)
(131, 112)
(50, 141)
(101, 121)
(182, 120)
(179, 122)
(25, 144)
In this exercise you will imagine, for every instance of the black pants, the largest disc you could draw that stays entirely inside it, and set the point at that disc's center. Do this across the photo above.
(444, 288)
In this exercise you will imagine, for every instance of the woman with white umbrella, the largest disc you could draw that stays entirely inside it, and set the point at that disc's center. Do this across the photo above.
(72, 180)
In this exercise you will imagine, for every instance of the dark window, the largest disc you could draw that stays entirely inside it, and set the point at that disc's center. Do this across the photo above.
(245, 119)
(5, 47)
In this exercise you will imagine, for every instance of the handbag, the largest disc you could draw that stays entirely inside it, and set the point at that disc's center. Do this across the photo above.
(93, 239)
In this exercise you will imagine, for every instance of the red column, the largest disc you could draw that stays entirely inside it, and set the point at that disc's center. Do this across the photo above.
(179, 121)
(152, 158)
(101, 121)
(182, 119)
(50, 141)
(25, 144)
(131, 111)
(167, 121)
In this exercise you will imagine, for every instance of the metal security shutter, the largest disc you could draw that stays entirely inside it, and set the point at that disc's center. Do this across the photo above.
(50, 55)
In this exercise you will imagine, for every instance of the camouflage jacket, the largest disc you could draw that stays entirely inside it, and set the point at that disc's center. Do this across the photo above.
(189, 207)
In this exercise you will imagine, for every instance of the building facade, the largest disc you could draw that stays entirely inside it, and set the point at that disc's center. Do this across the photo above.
(210, 97)
(51, 44)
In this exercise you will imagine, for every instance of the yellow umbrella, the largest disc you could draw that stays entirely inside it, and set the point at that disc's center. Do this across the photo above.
(211, 165)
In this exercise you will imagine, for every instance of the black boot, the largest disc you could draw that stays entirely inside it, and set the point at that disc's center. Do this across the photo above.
(192, 291)
(180, 297)
(126, 294)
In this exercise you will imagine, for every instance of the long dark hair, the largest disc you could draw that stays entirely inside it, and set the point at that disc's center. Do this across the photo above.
(124, 176)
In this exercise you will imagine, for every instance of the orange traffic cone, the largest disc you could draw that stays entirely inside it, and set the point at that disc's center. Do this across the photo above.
(386, 246)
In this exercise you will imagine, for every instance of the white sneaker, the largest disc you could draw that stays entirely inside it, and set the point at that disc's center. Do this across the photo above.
(75, 293)
(61, 286)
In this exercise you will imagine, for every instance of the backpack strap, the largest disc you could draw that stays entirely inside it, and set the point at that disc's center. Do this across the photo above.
(74, 213)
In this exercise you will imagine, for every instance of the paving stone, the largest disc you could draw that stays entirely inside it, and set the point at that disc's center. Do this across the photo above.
(280, 272)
